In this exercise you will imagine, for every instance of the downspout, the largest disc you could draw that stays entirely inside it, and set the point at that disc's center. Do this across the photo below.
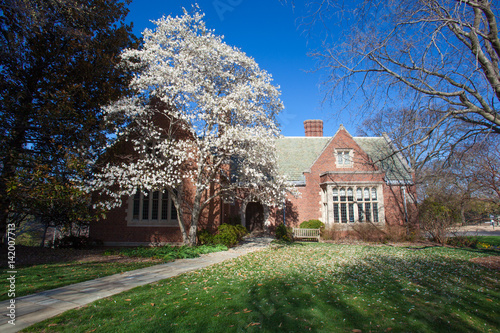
(284, 211)
(403, 189)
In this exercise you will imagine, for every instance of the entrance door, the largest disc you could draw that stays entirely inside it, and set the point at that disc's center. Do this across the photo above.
(254, 216)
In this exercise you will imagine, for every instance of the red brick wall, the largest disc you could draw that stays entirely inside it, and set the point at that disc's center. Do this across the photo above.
(114, 229)
(309, 205)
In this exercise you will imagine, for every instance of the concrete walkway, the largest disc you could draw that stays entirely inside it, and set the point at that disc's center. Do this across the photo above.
(34, 308)
(483, 229)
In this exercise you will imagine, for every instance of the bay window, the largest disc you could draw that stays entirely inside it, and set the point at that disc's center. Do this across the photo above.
(352, 204)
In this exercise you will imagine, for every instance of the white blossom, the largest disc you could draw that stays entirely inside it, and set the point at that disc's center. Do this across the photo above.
(201, 109)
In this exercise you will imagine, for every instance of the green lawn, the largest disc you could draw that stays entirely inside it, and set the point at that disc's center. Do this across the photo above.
(309, 287)
(33, 279)
(489, 240)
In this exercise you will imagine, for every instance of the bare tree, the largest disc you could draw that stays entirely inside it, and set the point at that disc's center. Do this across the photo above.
(436, 57)
(468, 180)
(487, 172)
(406, 127)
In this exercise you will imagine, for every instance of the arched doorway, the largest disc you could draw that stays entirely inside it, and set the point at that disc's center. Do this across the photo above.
(254, 216)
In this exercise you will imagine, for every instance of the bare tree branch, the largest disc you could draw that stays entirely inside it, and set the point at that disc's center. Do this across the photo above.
(425, 53)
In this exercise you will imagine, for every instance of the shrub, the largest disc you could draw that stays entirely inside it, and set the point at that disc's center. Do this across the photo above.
(284, 233)
(74, 242)
(229, 235)
(463, 241)
(436, 218)
(205, 237)
(312, 224)
(368, 232)
(331, 233)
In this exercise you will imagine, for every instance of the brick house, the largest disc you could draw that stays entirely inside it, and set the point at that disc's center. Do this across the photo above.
(342, 180)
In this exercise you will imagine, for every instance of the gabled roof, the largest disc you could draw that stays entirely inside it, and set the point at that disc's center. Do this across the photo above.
(385, 157)
(297, 155)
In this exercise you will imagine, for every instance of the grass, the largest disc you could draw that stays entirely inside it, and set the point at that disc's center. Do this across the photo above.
(476, 242)
(167, 253)
(489, 240)
(37, 278)
(309, 287)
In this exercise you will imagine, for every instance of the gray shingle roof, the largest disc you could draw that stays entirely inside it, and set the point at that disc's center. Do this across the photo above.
(297, 154)
(380, 150)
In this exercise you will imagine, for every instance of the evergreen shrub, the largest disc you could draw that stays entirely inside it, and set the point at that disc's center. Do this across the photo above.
(229, 235)
(312, 224)
(284, 233)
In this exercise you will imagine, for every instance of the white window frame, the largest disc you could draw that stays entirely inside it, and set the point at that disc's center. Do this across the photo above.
(345, 209)
(140, 212)
(344, 158)
(324, 201)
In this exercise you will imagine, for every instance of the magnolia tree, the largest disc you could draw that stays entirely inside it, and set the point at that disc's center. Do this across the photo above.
(202, 123)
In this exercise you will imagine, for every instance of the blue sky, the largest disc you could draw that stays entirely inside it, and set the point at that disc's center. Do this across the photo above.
(268, 31)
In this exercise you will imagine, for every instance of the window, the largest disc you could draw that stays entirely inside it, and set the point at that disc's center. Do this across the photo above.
(344, 158)
(152, 209)
(355, 204)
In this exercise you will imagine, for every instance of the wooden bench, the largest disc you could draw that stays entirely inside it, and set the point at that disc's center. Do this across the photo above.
(299, 233)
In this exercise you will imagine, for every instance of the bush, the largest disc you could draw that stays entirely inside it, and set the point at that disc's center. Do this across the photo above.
(284, 233)
(436, 218)
(205, 237)
(368, 232)
(463, 241)
(74, 242)
(331, 233)
(229, 235)
(312, 224)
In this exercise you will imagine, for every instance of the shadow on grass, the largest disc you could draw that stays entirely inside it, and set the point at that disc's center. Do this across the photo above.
(375, 292)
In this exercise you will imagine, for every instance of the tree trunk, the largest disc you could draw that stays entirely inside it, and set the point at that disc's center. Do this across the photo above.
(462, 214)
(176, 195)
(192, 235)
(195, 216)
(42, 243)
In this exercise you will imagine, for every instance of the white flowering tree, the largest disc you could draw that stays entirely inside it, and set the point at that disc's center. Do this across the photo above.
(202, 123)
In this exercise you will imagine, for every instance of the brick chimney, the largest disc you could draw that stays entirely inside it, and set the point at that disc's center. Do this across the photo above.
(313, 127)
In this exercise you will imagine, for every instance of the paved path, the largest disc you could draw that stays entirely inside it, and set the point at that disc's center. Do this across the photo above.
(483, 229)
(34, 308)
